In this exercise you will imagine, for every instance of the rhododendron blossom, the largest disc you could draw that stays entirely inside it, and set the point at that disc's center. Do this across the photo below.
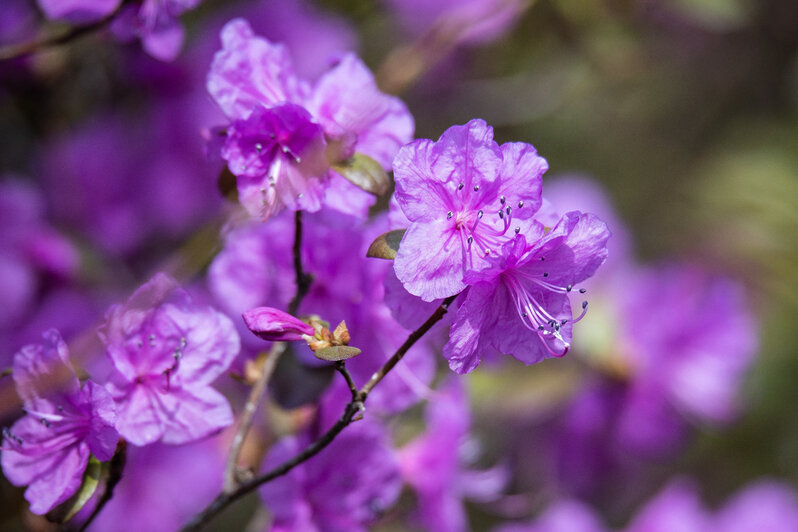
(166, 351)
(48, 449)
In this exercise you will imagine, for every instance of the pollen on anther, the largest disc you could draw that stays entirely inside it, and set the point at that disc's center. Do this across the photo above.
(520, 204)
(460, 186)
(508, 210)
(517, 230)
(502, 200)
(582, 290)
(569, 287)
(479, 214)
(449, 215)
(501, 214)
(476, 188)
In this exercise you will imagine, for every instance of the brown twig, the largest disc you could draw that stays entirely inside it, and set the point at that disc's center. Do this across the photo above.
(355, 406)
(232, 479)
(18, 51)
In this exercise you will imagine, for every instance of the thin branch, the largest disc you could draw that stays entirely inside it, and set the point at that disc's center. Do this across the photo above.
(117, 466)
(231, 470)
(303, 279)
(18, 51)
(355, 406)
(232, 479)
(341, 367)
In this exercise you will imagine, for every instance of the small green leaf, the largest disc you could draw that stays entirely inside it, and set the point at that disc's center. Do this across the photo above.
(386, 245)
(337, 352)
(364, 172)
(91, 479)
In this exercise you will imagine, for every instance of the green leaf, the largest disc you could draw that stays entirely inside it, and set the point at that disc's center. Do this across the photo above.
(366, 173)
(386, 245)
(91, 479)
(337, 352)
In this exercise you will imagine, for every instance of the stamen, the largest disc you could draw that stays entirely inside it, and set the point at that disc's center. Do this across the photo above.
(501, 215)
(479, 214)
(476, 188)
(449, 215)
(502, 200)
(460, 186)
(520, 204)
(517, 230)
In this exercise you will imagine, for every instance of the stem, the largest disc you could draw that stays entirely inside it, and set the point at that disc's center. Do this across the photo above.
(341, 367)
(355, 406)
(232, 480)
(18, 51)
(117, 466)
(231, 470)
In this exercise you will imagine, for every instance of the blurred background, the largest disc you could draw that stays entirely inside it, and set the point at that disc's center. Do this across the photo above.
(680, 115)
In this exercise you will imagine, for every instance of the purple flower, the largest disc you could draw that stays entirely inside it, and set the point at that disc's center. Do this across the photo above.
(48, 449)
(251, 73)
(78, 11)
(763, 505)
(342, 489)
(283, 144)
(274, 325)
(463, 21)
(166, 351)
(434, 464)
(464, 197)
(156, 23)
(676, 507)
(564, 516)
(519, 304)
(163, 486)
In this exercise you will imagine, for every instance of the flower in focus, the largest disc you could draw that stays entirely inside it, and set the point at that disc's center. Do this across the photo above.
(254, 83)
(274, 325)
(166, 351)
(434, 464)
(48, 449)
(519, 304)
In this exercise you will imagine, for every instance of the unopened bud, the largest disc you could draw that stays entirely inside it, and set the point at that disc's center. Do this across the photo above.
(274, 325)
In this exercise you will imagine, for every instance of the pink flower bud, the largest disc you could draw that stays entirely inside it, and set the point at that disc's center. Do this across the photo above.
(275, 325)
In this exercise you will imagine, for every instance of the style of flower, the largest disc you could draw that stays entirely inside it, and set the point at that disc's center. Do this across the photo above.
(464, 196)
(166, 351)
(48, 449)
(302, 129)
(519, 304)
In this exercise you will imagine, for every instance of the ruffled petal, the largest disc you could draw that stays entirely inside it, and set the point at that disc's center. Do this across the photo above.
(197, 413)
(430, 259)
(473, 318)
(522, 170)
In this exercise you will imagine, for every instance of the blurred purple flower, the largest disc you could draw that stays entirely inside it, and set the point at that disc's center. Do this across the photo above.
(163, 486)
(435, 463)
(252, 73)
(563, 516)
(156, 24)
(462, 21)
(342, 489)
(530, 284)
(48, 449)
(762, 505)
(274, 325)
(462, 195)
(78, 11)
(166, 351)
(676, 507)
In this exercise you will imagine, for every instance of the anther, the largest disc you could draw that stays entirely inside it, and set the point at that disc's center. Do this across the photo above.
(569, 287)
(45, 422)
(460, 186)
(520, 204)
(545, 274)
(542, 258)
(502, 200)
(479, 214)
(563, 322)
(449, 215)
(259, 146)
(517, 230)
(501, 215)
(470, 239)
(584, 305)
(509, 211)
(582, 290)
(476, 188)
